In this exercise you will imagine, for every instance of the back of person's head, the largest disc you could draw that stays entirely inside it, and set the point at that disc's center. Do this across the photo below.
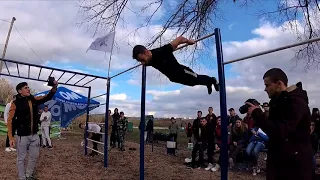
(138, 49)
(275, 75)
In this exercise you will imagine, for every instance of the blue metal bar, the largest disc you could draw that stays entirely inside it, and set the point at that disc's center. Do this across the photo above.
(106, 125)
(18, 70)
(28, 71)
(80, 80)
(61, 75)
(87, 120)
(223, 107)
(89, 81)
(39, 73)
(70, 78)
(142, 122)
(99, 95)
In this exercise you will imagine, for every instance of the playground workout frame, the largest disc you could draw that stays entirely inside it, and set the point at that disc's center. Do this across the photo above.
(223, 102)
(52, 73)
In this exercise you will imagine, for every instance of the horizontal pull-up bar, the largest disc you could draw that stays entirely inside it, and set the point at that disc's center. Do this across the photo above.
(272, 50)
(99, 95)
(125, 71)
(200, 39)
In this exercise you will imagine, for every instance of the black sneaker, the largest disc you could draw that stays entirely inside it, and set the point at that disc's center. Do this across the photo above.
(215, 84)
(44, 146)
(50, 147)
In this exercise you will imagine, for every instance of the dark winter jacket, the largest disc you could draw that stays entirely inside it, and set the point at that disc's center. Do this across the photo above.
(195, 128)
(288, 129)
(233, 119)
(239, 136)
(206, 134)
(149, 126)
(25, 112)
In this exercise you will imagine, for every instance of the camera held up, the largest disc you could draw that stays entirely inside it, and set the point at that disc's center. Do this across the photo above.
(51, 81)
(244, 109)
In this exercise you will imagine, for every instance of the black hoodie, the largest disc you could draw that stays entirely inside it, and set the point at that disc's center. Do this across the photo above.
(288, 129)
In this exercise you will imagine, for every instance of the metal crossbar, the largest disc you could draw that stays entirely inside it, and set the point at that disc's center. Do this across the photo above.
(96, 132)
(272, 50)
(95, 141)
(94, 150)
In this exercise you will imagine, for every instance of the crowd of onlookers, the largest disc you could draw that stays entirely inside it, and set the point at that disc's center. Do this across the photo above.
(245, 139)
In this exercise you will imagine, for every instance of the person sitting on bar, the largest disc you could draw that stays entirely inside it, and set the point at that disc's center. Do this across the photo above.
(162, 59)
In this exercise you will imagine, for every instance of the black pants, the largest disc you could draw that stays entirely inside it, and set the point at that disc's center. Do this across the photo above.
(149, 136)
(95, 137)
(210, 151)
(199, 146)
(186, 76)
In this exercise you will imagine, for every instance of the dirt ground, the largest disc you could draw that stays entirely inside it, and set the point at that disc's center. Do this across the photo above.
(67, 161)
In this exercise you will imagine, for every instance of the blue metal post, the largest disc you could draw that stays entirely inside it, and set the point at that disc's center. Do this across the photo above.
(87, 120)
(106, 125)
(223, 107)
(142, 122)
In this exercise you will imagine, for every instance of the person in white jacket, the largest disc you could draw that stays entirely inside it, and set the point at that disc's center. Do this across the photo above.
(6, 113)
(45, 120)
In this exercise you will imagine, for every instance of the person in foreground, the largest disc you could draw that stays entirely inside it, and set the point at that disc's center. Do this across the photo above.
(24, 109)
(288, 128)
(162, 59)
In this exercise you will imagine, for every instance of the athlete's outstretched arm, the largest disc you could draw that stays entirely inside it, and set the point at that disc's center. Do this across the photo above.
(180, 40)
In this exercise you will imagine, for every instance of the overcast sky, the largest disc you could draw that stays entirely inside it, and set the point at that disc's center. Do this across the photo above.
(50, 29)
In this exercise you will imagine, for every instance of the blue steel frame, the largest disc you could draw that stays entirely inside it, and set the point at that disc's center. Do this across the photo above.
(142, 124)
(223, 109)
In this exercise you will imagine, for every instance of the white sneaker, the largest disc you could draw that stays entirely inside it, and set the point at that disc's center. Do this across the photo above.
(215, 168)
(210, 166)
(231, 163)
(256, 171)
(8, 149)
(13, 149)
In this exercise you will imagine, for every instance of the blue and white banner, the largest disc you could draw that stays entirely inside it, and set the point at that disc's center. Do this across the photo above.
(67, 105)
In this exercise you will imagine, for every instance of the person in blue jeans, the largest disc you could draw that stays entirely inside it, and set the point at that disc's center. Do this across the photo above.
(257, 142)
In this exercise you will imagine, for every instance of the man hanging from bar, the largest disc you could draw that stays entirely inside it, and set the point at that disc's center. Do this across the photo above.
(163, 60)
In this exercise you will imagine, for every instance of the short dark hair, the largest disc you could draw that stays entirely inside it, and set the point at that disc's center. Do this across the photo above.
(80, 125)
(200, 112)
(121, 113)
(210, 107)
(172, 118)
(45, 106)
(20, 86)
(219, 117)
(275, 75)
(203, 118)
(231, 109)
(138, 49)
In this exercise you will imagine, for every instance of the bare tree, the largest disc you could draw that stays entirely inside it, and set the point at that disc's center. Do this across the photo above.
(196, 18)
(6, 91)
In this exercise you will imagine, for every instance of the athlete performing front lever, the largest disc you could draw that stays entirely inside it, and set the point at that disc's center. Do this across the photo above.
(162, 58)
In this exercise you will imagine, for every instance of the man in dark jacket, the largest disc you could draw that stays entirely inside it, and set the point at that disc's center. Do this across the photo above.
(205, 135)
(149, 130)
(288, 128)
(25, 112)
